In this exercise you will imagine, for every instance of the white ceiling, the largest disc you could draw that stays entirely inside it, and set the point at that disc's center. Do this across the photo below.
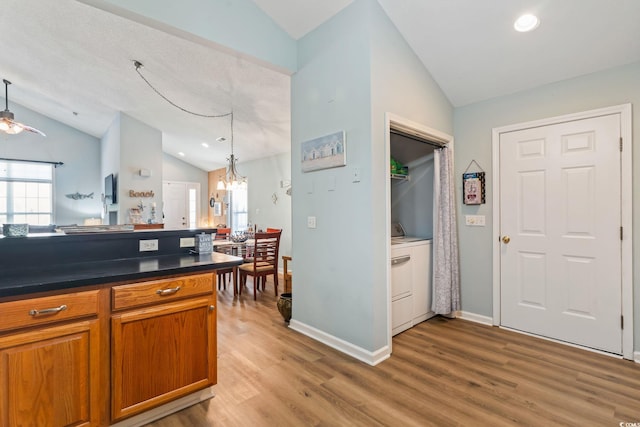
(64, 57)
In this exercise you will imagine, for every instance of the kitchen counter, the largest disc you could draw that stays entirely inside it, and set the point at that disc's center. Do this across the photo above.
(38, 278)
(52, 262)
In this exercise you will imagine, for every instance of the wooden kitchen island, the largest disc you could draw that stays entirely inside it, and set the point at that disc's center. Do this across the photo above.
(94, 332)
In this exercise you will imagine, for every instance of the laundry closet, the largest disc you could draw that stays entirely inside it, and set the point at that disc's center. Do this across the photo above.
(412, 201)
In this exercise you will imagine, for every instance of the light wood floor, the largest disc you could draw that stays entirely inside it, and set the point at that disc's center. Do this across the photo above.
(442, 372)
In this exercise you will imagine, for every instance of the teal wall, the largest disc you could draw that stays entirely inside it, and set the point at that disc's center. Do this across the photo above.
(351, 71)
(239, 25)
(473, 127)
(79, 152)
(264, 176)
(335, 281)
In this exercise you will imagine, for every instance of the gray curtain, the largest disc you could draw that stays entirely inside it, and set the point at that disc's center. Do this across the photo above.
(446, 271)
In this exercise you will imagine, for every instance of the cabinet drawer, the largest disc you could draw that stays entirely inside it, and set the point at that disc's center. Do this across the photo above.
(44, 310)
(158, 291)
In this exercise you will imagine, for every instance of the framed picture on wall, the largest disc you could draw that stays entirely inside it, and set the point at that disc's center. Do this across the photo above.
(328, 151)
(473, 188)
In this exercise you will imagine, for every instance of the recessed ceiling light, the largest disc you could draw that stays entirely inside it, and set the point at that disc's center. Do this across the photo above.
(205, 145)
(180, 153)
(526, 23)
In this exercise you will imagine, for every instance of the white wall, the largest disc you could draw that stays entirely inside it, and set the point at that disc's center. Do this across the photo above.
(110, 164)
(140, 148)
(79, 152)
(264, 176)
(473, 125)
(174, 169)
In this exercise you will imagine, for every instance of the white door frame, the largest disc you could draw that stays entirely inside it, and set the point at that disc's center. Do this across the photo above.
(188, 185)
(399, 122)
(626, 208)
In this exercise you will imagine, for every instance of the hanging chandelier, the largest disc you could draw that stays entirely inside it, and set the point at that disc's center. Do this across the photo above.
(232, 180)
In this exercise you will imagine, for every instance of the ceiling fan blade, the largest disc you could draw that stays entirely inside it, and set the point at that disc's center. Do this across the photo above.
(7, 124)
(31, 129)
(12, 127)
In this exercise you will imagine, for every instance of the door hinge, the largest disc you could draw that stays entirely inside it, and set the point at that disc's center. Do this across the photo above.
(621, 322)
(621, 233)
(620, 144)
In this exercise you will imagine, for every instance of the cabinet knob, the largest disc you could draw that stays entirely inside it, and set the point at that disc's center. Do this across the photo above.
(212, 307)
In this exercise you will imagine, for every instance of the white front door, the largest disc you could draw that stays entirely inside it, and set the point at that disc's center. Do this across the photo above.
(560, 219)
(180, 204)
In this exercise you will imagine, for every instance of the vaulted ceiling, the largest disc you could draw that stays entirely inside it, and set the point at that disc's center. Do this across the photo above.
(73, 63)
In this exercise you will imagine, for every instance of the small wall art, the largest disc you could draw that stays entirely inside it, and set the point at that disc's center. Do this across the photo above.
(325, 152)
(473, 186)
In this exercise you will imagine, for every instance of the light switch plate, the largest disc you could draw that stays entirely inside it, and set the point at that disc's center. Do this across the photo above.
(475, 220)
(311, 222)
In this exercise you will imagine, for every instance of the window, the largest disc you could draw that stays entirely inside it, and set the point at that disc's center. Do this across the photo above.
(26, 193)
(193, 207)
(239, 209)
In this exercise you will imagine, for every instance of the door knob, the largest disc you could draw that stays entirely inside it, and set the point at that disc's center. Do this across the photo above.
(506, 239)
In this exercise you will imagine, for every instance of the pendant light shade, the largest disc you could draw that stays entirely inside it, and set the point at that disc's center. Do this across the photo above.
(7, 123)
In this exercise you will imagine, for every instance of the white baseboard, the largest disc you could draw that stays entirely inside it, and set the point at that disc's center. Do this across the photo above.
(636, 356)
(368, 357)
(478, 318)
(167, 409)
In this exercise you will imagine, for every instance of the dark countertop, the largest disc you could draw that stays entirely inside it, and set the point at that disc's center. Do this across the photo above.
(35, 277)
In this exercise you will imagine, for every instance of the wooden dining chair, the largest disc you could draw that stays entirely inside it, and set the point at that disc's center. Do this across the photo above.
(286, 274)
(264, 261)
(222, 233)
(224, 273)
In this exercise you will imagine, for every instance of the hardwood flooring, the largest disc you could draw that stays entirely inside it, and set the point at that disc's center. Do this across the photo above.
(443, 372)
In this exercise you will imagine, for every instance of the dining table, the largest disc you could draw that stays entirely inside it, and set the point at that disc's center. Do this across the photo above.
(230, 247)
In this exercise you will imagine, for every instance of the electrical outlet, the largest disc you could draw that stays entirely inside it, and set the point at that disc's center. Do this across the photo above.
(148, 245)
(187, 242)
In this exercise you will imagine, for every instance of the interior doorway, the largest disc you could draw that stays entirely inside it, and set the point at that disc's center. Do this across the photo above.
(435, 139)
(562, 225)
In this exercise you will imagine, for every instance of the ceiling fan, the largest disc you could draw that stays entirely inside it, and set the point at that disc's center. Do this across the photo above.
(7, 124)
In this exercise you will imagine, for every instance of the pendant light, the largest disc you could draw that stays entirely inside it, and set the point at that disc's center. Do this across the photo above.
(233, 180)
(7, 124)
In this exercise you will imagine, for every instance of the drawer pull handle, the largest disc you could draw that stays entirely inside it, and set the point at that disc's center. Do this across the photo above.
(400, 260)
(54, 310)
(165, 292)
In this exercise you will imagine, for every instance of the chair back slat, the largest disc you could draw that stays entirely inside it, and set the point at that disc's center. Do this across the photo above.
(265, 249)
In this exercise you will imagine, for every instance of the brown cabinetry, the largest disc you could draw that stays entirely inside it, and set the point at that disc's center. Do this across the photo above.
(163, 342)
(49, 376)
(95, 357)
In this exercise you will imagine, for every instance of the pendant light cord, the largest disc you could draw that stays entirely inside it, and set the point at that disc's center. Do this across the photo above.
(139, 65)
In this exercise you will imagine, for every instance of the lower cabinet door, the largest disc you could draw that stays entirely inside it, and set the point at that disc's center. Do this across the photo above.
(50, 377)
(401, 314)
(161, 353)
